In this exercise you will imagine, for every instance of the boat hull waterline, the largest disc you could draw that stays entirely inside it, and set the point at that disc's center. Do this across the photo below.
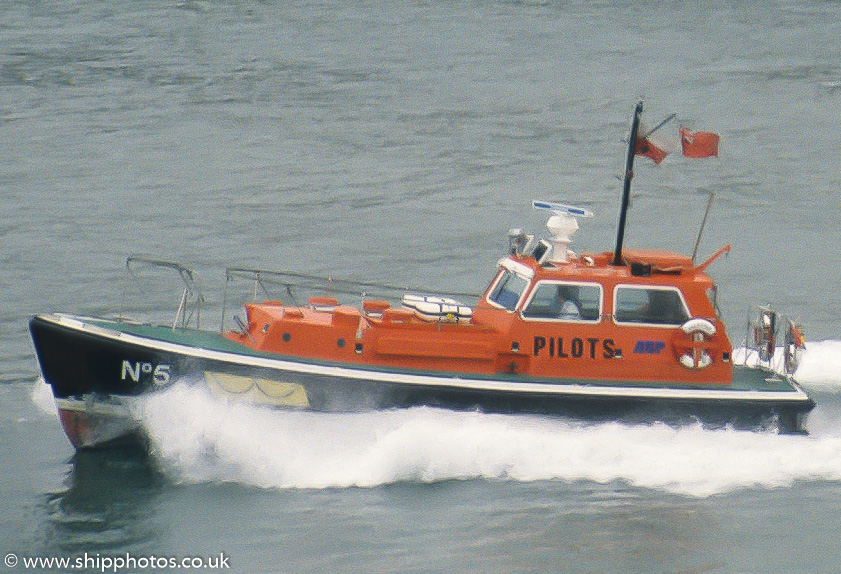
(98, 369)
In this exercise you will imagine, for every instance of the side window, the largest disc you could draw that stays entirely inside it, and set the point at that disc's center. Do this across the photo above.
(508, 289)
(649, 306)
(712, 295)
(565, 301)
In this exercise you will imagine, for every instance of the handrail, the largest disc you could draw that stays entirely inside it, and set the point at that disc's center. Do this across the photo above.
(289, 282)
(331, 284)
(188, 276)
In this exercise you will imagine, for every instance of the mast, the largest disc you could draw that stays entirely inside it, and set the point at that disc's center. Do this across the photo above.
(626, 191)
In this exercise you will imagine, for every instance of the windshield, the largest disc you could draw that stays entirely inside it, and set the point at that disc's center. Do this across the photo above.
(565, 301)
(508, 289)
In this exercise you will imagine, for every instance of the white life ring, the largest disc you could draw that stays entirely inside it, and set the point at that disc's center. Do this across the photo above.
(701, 325)
(698, 331)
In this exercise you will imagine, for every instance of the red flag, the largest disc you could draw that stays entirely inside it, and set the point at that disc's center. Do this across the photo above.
(698, 144)
(649, 150)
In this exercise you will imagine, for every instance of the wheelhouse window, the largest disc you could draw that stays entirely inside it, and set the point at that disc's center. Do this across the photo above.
(565, 302)
(508, 289)
(649, 305)
(712, 295)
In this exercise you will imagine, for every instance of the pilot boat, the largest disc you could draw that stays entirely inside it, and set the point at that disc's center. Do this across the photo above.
(628, 334)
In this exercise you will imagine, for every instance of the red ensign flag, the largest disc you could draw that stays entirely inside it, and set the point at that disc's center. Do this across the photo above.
(649, 150)
(698, 144)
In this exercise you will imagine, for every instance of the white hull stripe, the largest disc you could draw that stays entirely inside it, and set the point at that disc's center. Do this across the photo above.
(98, 406)
(797, 395)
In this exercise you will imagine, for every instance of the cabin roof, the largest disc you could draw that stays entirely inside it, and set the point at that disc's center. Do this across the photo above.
(637, 262)
(658, 259)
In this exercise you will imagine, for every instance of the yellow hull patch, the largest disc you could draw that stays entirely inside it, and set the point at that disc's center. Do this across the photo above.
(256, 390)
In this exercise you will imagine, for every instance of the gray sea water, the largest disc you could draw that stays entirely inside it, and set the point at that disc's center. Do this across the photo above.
(400, 140)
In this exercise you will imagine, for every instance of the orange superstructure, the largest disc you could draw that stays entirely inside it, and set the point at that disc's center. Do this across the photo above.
(619, 332)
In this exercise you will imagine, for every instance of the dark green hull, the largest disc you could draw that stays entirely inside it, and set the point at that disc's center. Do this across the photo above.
(91, 362)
